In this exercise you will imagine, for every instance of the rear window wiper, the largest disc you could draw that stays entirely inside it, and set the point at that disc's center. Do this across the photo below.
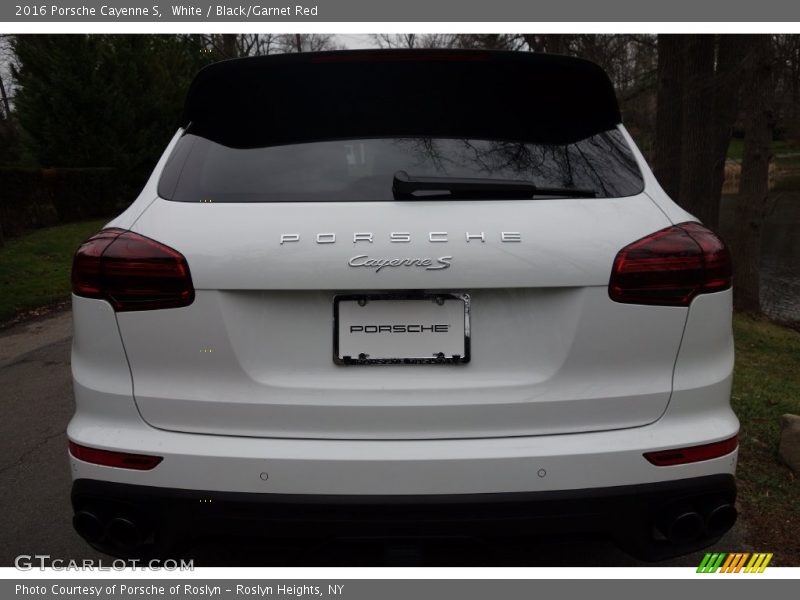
(405, 187)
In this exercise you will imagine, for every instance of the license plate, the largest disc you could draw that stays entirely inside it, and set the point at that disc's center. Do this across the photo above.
(430, 329)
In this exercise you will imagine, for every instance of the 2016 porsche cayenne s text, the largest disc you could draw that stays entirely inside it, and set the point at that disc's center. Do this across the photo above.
(402, 292)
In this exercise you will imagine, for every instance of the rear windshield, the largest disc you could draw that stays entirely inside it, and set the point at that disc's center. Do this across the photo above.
(361, 170)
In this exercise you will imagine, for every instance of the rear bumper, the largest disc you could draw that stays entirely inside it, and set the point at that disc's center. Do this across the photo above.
(405, 467)
(637, 517)
(698, 413)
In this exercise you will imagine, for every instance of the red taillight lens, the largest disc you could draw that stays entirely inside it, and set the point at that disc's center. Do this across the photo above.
(670, 267)
(131, 271)
(107, 458)
(680, 456)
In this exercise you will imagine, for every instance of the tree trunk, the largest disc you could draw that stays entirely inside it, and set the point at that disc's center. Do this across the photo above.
(728, 78)
(795, 106)
(9, 123)
(697, 139)
(229, 45)
(4, 99)
(669, 113)
(532, 41)
(557, 43)
(752, 200)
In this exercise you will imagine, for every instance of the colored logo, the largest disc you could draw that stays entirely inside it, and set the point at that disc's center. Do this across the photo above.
(738, 562)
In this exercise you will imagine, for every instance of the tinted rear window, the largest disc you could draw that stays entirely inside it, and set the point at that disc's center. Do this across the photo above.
(358, 170)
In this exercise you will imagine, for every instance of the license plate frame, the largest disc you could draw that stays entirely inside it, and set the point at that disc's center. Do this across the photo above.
(439, 299)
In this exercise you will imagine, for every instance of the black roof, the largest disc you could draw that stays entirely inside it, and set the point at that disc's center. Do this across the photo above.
(290, 98)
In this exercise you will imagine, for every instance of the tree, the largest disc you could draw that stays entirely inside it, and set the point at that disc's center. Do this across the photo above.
(305, 42)
(102, 100)
(231, 45)
(7, 59)
(786, 75)
(697, 131)
(754, 186)
(5, 105)
(8, 134)
(727, 87)
(414, 40)
(699, 78)
(669, 113)
(9, 139)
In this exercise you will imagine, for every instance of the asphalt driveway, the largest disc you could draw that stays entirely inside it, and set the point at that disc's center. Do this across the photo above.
(36, 404)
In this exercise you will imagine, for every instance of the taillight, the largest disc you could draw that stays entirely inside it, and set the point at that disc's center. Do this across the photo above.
(131, 272)
(670, 267)
(109, 458)
(681, 456)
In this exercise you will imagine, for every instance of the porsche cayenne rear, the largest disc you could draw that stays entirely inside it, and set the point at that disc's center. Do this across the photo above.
(403, 293)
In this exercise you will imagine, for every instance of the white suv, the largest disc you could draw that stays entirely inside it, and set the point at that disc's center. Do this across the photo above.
(403, 292)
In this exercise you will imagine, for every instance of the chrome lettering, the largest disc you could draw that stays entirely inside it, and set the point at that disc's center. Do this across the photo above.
(363, 260)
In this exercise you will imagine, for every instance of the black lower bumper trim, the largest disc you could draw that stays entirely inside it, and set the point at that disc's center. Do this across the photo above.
(626, 514)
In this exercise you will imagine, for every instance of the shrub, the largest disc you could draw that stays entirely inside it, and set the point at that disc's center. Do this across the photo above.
(34, 198)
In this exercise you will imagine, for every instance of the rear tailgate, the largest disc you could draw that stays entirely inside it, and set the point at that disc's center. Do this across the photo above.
(551, 353)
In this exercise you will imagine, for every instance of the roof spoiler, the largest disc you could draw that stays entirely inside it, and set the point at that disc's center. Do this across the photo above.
(305, 97)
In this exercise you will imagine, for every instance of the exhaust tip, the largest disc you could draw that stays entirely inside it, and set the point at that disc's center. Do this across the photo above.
(124, 533)
(681, 526)
(685, 527)
(721, 518)
(88, 525)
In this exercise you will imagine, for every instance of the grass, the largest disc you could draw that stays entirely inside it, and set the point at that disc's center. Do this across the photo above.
(786, 161)
(35, 267)
(736, 148)
(766, 385)
(787, 183)
(780, 148)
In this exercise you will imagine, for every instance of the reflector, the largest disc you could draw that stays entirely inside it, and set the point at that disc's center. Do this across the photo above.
(680, 456)
(107, 458)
